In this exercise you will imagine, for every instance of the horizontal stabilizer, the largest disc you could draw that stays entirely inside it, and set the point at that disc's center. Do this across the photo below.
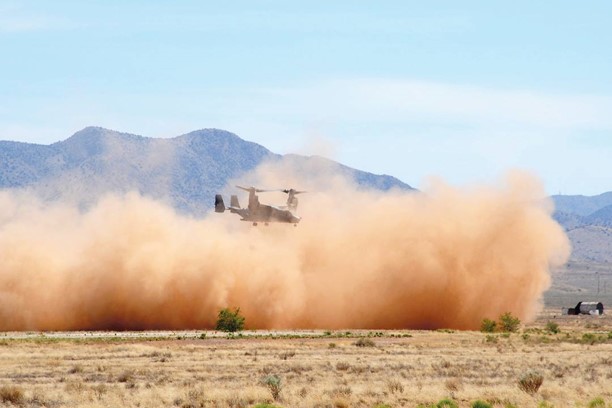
(219, 205)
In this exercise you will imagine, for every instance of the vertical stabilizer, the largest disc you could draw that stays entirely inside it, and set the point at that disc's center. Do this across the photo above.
(219, 205)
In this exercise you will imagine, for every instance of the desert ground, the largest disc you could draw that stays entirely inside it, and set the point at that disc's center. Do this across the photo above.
(405, 368)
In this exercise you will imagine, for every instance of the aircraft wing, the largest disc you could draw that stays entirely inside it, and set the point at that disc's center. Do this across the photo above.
(243, 212)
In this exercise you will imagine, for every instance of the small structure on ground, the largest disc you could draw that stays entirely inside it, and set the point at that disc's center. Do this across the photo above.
(585, 308)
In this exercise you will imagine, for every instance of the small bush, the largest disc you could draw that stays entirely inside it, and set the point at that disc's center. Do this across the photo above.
(265, 405)
(75, 386)
(340, 403)
(273, 382)
(488, 326)
(395, 386)
(481, 404)
(530, 382)
(230, 321)
(597, 403)
(447, 403)
(76, 369)
(509, 323)
(11, 394)
(126, 376)
(363, 342)
(342, 366)
(453, 384)
(552, 328)
(286, 355)
(589, 338)
(342, 392)
(99, 390)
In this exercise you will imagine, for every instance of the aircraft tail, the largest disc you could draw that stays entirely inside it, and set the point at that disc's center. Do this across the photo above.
(219, 205)
(234, 202)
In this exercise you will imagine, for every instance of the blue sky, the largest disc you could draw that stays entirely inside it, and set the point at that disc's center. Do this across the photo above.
(458, 90)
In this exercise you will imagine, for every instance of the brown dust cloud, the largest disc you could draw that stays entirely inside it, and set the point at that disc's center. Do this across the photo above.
(444, 257)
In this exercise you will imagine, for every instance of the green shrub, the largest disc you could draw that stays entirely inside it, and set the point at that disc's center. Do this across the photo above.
(509, 323)
(552, 328)
(589, 338)
(265, 405)
(382, 406)
(597, 403)
(230, 321)
(481, 404)
(530, 382)
(273, 382)
(488, 326)
(446, 403)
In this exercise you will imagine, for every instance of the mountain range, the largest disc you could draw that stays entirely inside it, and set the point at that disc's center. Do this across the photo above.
(588, 223)
(576, 210)
(185, 171)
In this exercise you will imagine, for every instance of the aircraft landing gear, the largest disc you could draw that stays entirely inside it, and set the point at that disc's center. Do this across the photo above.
(266, 224)
(254, 224)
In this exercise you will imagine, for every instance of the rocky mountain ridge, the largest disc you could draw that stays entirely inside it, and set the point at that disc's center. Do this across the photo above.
(184, 171)
(588, 223)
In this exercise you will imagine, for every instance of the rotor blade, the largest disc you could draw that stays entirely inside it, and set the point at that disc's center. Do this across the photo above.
(295, 192)
(256, 190)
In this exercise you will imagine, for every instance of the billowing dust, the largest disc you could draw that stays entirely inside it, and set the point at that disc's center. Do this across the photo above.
(443, 257)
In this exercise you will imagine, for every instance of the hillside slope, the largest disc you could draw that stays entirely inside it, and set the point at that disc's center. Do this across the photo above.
(184, 171)
(588, 222)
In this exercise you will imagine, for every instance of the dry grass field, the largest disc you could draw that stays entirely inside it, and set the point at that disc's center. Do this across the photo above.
(387, 369)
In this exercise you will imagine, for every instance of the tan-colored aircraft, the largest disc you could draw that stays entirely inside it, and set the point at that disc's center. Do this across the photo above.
(257, 212)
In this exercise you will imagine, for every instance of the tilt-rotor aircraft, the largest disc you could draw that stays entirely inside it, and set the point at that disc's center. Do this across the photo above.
(257, 212)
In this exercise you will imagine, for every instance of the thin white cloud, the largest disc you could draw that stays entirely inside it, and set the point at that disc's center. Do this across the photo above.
(399, 101)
